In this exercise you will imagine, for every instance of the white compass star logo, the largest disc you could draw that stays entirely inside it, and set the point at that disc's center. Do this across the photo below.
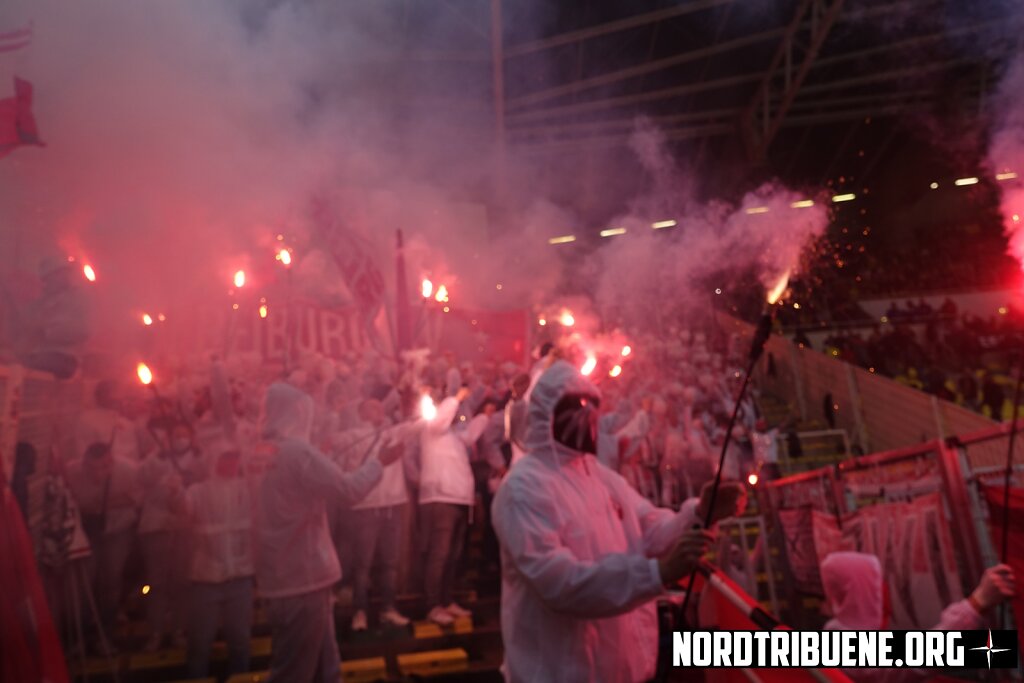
(989, 649)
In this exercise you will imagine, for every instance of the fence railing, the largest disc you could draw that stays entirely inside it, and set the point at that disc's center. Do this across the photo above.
(954, 469)
(878, 413)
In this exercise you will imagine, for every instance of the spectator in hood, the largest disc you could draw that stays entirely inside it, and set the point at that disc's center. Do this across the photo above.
(855, 597)
(583, 555)
(295, 560)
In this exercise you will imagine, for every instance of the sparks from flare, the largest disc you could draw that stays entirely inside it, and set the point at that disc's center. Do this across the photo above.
(427, 288)
(615, 371)
(89, 273)
(776, 292)
(144, 373)
(239, 279)
(428, 411)
(588, 366)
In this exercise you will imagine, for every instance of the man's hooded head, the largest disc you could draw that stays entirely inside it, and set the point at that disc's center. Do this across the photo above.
(287, 413)
(854, 589)
(563, 411)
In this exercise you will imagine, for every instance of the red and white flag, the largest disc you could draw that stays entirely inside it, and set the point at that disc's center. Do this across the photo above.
(17, 122)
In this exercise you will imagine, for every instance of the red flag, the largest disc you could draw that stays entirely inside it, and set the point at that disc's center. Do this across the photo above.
(17, 124)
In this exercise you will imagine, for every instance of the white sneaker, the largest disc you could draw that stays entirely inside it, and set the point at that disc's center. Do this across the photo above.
(393, 617)
(359, 621)
(440, 616)
(456, 611)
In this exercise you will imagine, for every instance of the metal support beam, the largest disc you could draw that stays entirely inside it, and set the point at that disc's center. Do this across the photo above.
(801, 42)
(613, 27)
(498, 85)
(642, 69)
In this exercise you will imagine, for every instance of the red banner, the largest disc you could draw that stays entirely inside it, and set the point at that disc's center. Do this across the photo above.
(28, 639)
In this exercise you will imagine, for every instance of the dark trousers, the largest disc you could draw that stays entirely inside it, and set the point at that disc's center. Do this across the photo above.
(378, 535)
(305, 649)
(443, 534)
(109, 555)
(229, 603)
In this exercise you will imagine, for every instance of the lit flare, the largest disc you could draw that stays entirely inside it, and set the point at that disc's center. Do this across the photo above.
(588, 366)
(775, 293)
(616, 371)
(239, 279)
(428, 411)
(567, 319)
(89, 273)
(427, 288)
(144, 373)
(442, 294)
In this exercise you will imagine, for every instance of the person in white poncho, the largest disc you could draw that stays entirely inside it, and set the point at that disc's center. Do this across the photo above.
(583, 555)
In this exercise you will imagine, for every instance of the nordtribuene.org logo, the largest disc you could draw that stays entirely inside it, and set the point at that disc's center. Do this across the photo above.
(846, 649)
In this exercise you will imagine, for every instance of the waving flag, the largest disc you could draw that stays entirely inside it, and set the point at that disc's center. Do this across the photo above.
(17, 123)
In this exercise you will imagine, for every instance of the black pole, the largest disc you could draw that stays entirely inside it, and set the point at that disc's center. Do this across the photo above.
(764, 329)
(1009, 461)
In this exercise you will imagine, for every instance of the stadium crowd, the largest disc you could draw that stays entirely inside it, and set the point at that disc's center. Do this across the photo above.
(190, 497)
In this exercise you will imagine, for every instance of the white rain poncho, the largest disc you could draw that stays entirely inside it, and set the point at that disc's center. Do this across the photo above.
(578, 545)
(853, 584)
(295, 554)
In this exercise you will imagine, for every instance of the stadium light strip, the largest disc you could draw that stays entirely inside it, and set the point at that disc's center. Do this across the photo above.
(663, 224)
(803, 204)
(612, 232)
(1008, 175)
(564, 239)
(843, 198)
(758, 209)
(960, 182)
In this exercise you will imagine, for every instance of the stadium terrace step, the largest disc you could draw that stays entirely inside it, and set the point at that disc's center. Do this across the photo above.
(353, 671)
(433, 662)
(428, 629)
(161, 659)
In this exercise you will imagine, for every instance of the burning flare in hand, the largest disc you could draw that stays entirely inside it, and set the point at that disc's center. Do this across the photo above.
(428, 411)
(239, 279)
(89, 273)
(144, 373)
(776, 292)
(427, 288)
(589, 365)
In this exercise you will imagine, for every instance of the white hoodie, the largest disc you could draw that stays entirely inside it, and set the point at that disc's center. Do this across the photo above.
(445, 473)
(294, 551)
(578, 546)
